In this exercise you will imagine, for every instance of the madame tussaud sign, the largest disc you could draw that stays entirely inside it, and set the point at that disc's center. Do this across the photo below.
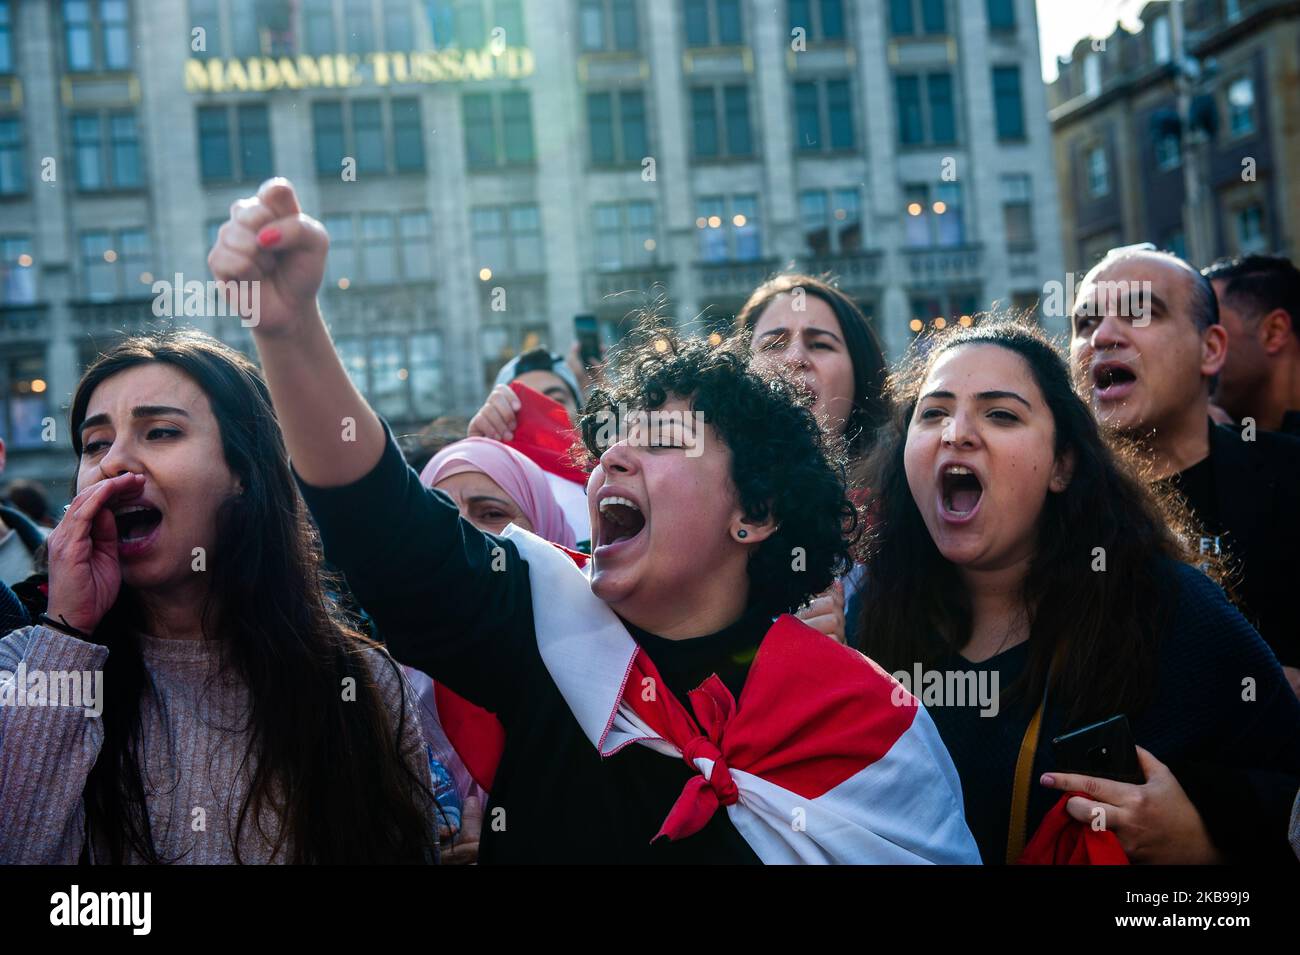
(260, 74)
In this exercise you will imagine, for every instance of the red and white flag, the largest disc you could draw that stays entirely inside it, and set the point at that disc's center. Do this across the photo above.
(545, 435)
(815, 763)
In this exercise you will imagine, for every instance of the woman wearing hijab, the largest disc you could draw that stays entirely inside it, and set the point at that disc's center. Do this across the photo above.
(492, 486)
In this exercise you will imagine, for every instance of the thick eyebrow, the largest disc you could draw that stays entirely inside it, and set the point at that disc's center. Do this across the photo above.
(982, 396)
(143, 411)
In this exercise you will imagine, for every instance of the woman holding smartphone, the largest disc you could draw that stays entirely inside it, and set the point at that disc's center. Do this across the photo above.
(1016, 548)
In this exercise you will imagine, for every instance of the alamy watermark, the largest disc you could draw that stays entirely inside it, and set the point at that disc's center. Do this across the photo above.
(1123, 298)
(659, 428)
(946, 688)
(211, 298)
(64, 688)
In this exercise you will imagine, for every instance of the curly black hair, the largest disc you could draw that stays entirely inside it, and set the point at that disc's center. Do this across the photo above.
(782, 463)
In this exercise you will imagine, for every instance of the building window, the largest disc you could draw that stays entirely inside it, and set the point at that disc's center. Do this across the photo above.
(261, 29)
(96, 35)
(713, 22)
(1098, 172)
(1161, 40)
(933, 215)
(358, 129)
(115, 264)
(626, 235)
(318, 27)
(608, 25)
(906, 15)
(359, 26)
(831, 221)
(106, 151)
(1017, 210)
(941, 310)
(399, 25)
(498, 129)
(378, 255)
(1251, 235)
(17, 271)
(1241, 106)
(1169, 153)
(616, 124)
(12, 180)
(415, 242)
(1002, 14)
(823, 115)
(929, 121)
(1091, 75)
(401, 376)
(469, 24)
(819, 19)
(1008, 103)
(728, 229)
(507, 240)
(720, 121)
(25, 388)
(385, 249)
(6, 36)
(245, 156)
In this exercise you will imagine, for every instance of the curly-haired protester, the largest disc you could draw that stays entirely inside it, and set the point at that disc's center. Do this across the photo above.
(227, 713)
(716, 506)
(1020, 568)
(816, 334)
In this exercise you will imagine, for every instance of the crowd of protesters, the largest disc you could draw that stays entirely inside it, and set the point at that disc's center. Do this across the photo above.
(705, 601)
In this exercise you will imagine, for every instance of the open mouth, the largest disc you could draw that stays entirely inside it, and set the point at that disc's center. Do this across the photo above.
(961, 490)
(620, 520)
(136, 522)
(1113, 379)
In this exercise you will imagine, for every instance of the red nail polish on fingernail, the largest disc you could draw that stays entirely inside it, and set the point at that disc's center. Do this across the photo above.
(268, 236)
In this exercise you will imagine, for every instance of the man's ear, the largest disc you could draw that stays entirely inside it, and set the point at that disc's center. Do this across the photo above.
(1275, 331)
(1214, 350)
(1062, 471)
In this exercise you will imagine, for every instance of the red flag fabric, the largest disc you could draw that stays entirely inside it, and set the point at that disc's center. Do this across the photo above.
(1063, 840)
(545, 434)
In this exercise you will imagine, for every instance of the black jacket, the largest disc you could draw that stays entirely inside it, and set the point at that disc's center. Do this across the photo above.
(1257, 494)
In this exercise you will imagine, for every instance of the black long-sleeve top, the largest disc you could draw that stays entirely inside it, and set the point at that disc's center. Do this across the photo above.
(425, 577)
(1223, 719)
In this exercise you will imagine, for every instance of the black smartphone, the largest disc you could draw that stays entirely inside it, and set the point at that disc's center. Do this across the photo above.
(588, 335)
(1104, 749)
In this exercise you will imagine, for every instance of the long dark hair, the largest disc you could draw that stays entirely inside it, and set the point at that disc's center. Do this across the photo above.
(870, 409)
(331, 771)
(1104, 624)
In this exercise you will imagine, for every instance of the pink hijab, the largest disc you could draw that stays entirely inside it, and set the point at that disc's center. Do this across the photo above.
(519, 477)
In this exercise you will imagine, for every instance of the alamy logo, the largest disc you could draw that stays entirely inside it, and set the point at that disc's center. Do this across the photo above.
(212, 299)
(23, 687)
(103, 908)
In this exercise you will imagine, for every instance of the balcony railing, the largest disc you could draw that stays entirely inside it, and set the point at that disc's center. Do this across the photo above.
(733, 279)
(848, 269)
(627, 289)
(23, 322)
(957, 264)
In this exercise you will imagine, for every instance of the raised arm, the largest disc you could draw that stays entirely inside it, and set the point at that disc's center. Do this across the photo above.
(445, 597)
(332, 435)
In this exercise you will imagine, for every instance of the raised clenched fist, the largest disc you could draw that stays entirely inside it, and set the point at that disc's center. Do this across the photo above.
(270, 241)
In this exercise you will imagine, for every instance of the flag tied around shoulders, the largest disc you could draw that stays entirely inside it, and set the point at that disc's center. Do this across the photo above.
(814, 762)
